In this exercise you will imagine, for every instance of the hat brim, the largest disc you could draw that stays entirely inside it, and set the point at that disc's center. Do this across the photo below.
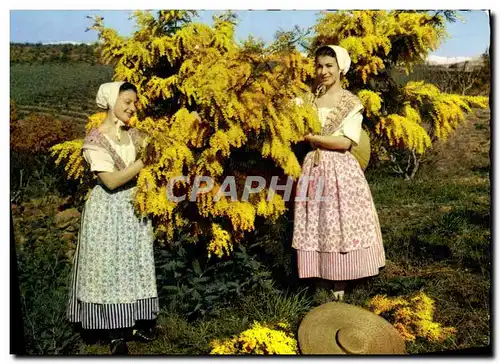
(318, 331)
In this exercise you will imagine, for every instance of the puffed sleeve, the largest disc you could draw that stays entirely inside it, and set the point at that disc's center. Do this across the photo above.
(99, 161)
(351, 127)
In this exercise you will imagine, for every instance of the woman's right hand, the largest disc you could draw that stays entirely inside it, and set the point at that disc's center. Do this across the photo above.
(113, 180)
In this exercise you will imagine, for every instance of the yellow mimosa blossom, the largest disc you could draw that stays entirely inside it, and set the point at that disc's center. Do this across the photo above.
(258, 340)
(412, 316)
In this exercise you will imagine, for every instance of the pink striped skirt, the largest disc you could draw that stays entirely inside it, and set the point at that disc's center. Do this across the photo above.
(338, 238)
(341, 266)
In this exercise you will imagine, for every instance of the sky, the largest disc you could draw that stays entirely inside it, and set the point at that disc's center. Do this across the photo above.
(469, 37)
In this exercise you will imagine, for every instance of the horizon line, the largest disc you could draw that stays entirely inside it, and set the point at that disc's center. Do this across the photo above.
(74, 42)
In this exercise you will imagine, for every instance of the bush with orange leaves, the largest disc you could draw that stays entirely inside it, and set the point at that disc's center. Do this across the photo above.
(32, 172)
(37, 133)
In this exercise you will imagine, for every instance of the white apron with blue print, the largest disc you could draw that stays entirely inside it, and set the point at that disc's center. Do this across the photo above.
(114, 282)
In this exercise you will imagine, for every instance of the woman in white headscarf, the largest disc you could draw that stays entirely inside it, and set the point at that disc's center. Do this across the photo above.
(114, 284)
(337, 239)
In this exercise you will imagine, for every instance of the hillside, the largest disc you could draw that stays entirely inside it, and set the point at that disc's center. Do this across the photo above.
(50, 53)
(65, 90)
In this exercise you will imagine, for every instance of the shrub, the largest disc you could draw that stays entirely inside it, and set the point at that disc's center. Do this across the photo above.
(197, 286)
(37, 133)
(32, 173)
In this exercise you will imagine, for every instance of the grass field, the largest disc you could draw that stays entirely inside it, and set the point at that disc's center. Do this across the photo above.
(436, 231)
(67, 90)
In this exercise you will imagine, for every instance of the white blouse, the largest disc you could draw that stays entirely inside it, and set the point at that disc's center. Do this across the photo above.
(103, 162)
(350, 126)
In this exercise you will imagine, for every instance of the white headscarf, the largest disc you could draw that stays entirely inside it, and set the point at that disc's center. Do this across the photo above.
(106, 99)
(343, 59)
(108, 94)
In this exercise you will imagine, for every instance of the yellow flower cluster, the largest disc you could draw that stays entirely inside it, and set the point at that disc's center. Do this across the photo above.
(258, 340)
(411, 316)
(448, 110)
(368, 37)
(371, 102)
(220, 243)
(71, 153)
(272, 209)
(95, 120)
(405, 130)
(241, 214)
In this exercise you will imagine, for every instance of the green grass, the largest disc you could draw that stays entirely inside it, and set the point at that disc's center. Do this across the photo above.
(60, 86)
(437, 236)
(43, 271)
(180, 337)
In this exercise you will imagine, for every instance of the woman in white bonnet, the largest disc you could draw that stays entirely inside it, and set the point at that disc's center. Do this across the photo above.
(338, 239)
(113, 282)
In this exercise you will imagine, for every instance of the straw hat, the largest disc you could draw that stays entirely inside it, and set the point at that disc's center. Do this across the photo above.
(362, 151)
(339, 328)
